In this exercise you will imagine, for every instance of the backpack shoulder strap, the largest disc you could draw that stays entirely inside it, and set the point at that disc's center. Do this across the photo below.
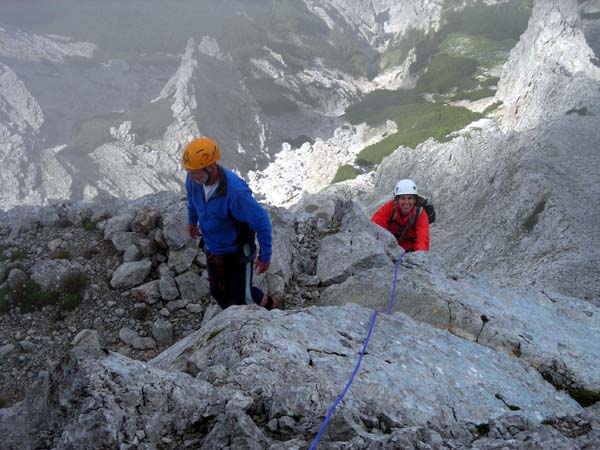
(413, 223)
(393, 216)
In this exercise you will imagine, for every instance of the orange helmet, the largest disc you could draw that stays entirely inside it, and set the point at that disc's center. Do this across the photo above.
(200, 153)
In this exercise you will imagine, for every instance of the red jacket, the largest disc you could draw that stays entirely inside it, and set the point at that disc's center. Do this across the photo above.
(415, 238)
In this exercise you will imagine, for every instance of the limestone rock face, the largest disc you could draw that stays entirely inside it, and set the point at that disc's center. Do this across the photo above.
(248, 360)
(553, 70)
(457, 356)
(551, 332)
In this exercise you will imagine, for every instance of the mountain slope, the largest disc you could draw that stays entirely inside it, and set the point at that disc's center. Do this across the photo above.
(522, 204)
(253, 75)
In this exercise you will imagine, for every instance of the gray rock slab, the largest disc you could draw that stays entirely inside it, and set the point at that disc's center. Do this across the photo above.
(130, 337)
(370, 288)
(16, 278)
(555, 334)
(359, 245)
(346, 253)
(145, 220)
(413, 373)
(283, 249)
(122, 396)
(132, 253)
(6, 350)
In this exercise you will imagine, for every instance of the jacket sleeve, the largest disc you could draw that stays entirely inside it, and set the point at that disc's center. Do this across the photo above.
(191, 209)
(383, 214)
(245, 208)
(422, 229)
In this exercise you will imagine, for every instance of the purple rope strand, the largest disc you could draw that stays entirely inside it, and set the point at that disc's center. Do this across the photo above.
(341, 396)
(349, 383)
(393, 294)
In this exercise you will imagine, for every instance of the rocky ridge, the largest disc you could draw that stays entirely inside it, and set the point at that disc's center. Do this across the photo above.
(228, 376)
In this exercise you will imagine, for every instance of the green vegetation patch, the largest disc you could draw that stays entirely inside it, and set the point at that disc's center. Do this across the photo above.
(70, 301)
(491, 108)
(476, 94)
(458, 60)
(213, 334)
(503, 23)
(4, 300)
(448, 72)
(398, 51)
(12, 254)
(498, 22)
(89, 224)
(73, 282)
(584, 397)
(141, 313)
(487, 52)
(28, 297)
(416, 124)
(381, 105)
(345, 172)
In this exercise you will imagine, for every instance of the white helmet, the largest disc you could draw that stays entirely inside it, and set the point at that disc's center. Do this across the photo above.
(405, 187)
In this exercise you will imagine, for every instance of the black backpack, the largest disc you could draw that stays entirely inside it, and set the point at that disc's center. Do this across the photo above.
(424, 205)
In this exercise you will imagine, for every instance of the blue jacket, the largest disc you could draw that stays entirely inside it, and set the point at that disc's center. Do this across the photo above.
(234, 198)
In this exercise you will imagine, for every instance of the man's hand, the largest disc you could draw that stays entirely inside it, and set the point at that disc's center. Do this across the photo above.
(261, 266)
(193, 230)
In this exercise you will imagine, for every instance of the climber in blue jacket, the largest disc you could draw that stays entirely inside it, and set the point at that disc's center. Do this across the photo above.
(223, 211)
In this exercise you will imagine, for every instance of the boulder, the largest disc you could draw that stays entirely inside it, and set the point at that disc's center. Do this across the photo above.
(359, 245)
(118, 223)
(130, 274)
(192, 286)
(175, 226)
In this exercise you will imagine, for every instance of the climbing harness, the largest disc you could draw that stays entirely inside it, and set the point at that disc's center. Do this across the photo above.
(366, 343)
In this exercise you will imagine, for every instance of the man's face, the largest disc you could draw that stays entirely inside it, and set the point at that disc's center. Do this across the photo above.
(406, 202)
(198, 176)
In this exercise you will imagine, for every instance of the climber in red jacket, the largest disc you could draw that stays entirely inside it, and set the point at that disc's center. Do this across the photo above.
(404, 219)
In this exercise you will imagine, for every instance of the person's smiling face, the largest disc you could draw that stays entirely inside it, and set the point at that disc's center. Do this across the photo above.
(406, 202)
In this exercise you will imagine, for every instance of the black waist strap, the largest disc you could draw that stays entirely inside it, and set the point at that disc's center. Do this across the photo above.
(245, 254)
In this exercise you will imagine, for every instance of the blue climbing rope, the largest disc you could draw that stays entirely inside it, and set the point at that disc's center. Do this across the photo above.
(393, 294)
(341, 396)
(366, 343)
